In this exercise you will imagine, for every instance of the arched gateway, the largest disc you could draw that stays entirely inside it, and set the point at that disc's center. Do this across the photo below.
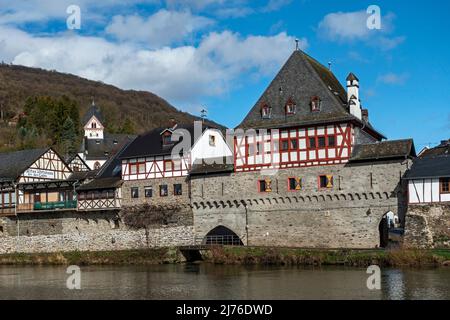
(221, 235)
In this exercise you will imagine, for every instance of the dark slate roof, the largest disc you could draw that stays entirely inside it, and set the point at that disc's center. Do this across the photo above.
(212, 166)
(109, 176)
(301, 78)
(442, 149)
(13, 164)
(92, 111)
(352, 77)
(385, 150)
(83, 175)
(429, 167)
(102, 149)
(150, 144)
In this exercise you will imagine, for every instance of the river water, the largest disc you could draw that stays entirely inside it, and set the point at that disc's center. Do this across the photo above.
(206, 281)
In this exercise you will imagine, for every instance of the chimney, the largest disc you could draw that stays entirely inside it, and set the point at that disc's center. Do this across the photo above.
(353, 96)
(365, 115)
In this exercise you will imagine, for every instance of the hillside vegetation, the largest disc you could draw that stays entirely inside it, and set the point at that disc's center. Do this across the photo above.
(121, 108)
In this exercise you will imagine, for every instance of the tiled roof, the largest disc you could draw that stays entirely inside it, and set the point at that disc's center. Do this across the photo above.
(393, 149)
(12, 164)
(212, 166)
(300, 79)
(442, 149)
(429, 167)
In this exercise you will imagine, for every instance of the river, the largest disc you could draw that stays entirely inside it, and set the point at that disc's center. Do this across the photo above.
(206, 281)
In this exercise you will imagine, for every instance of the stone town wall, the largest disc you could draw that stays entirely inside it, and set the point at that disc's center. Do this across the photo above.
(428, 226)
(348, 215)
(90, 231)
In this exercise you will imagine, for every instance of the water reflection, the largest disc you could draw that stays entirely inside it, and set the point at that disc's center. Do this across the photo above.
(206, 281)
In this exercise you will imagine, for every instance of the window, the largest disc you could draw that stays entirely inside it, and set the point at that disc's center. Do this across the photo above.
(134, 192)
(137, 168)
(445, 185)
(326, 182)
(163, 190)
(315, 103)
(321, 142)
(265, 185)
(293, 143)
(284, 145)
(294, 184)
(97, 165)
(312, 143)
(266, 111)
(148, 192)
(212, 140)
(331, 141)
(290, 107)
(177, 189)
(167, 138)
(76, 168)
(94, 125)
(168, 165)
(177, 165)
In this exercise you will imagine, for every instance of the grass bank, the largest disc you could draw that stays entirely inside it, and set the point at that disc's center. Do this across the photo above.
(238, 255)
(353, 258)
(125, 257)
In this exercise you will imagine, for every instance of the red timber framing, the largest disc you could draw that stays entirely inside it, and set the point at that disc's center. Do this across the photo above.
(154, 167)
(293, 147)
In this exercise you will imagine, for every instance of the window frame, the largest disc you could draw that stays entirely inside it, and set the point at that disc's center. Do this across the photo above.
(132, 194)
(326, 182)
(147, 188)
(174, 189)
(266, 190)
(289, 184)
(161, 186)
(442, 182)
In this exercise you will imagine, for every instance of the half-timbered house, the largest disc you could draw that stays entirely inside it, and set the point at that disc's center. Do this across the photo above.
(304, 118)
(35, 180)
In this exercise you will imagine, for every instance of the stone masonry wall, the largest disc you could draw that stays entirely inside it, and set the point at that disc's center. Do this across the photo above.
(348, 215)
(428, 226)
(87, 231)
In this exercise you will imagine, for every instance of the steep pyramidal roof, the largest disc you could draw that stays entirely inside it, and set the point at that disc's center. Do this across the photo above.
(300, 79)
(93, 111)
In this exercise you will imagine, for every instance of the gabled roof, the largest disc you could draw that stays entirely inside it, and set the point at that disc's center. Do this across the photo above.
(13, 164)
(442, 149)
(430, 167)
(300, 79)
(150, 144)
(92, 111)
(386, 150)
(213, 166)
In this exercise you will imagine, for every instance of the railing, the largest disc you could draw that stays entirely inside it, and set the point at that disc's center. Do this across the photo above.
(71, 204)
(223, 240)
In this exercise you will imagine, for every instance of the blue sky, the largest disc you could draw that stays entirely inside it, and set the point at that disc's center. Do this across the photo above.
(222, 54)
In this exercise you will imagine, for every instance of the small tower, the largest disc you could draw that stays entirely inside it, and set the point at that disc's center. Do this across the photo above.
(92, 121)
(353, 96)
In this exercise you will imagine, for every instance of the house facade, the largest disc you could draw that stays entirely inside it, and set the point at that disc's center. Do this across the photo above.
(310, 170)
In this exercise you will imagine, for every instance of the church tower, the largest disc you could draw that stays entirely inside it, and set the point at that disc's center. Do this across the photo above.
(92, 121)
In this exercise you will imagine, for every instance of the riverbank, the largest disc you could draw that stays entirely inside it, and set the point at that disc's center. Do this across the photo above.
(239, 255)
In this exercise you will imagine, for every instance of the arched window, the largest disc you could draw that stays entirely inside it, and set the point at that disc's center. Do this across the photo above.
(266, 111)
(290, 107)
(94, 125)
(315, 103)
(97, 165)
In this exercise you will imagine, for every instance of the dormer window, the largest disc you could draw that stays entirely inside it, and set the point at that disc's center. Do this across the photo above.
(315, 103)
(266, 111)
(290, 107)
(167, 138)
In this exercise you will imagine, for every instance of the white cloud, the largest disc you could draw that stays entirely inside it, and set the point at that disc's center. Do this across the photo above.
(274, 5)
(352, 26)
(393, 78)
(162, 28)
(183, 75)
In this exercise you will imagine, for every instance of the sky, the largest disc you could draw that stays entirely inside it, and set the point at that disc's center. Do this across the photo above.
(221, 54)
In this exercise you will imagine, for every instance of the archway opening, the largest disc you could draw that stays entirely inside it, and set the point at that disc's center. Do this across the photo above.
(222, 236)
(388, 229)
